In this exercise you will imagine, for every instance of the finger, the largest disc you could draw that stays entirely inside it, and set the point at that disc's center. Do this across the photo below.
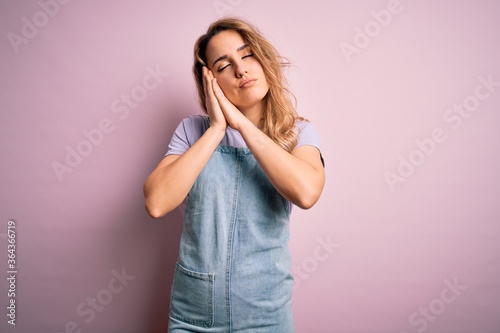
(219, 94)
(210, 78)
(205, 80)
(210, 99)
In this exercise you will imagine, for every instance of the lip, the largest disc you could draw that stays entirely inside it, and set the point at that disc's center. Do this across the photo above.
(248, 83)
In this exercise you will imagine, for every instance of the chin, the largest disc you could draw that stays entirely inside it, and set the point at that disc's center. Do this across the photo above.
(251, 100)
(248, 104)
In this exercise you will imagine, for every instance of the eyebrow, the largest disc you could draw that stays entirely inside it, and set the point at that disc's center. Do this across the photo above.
(241, 48)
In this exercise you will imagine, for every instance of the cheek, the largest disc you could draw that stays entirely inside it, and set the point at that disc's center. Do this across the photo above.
(224, 84)
(260, 70)
(226, 89)
(266, 84)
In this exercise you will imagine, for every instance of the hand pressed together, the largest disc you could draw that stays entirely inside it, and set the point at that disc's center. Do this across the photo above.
(220, 110)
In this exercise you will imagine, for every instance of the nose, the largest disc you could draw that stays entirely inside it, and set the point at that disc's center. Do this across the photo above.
(240, 70)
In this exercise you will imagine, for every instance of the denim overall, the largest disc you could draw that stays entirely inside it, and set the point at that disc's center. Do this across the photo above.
(233, 272)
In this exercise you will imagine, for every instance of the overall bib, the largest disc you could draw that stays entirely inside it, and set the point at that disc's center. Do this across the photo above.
(233, 272)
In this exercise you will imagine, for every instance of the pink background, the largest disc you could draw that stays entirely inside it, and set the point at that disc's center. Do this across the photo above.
(395, 248)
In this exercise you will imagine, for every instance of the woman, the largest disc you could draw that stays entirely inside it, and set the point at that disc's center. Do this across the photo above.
(241, 167)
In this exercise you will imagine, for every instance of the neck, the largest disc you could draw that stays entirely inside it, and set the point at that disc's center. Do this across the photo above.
(253, 113)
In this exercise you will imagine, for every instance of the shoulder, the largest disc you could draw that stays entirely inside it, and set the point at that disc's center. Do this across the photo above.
(189, 130)
(307, 134)
(193, 127)
(195, 121)
(304, 125)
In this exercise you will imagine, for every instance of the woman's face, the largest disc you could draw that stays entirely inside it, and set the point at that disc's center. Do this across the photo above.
(237, 71)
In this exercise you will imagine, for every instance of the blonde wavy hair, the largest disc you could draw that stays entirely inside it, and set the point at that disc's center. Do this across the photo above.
(279, 114)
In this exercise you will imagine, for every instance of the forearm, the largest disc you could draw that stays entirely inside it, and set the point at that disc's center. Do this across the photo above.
(297, 180)
(167, 186)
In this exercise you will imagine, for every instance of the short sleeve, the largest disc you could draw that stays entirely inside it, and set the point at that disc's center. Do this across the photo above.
(308, 136)
(187, 132)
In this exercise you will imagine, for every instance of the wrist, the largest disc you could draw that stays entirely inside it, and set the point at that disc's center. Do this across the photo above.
(218, 130)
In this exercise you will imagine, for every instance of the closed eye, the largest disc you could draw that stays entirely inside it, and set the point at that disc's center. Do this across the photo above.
(222, 68)
(227, 65)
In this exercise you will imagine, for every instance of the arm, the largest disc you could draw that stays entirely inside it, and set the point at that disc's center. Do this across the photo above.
(168, 185)
(299, 176)
(170, 182)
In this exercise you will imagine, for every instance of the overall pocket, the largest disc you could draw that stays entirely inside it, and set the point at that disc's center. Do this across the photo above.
(192, 297)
